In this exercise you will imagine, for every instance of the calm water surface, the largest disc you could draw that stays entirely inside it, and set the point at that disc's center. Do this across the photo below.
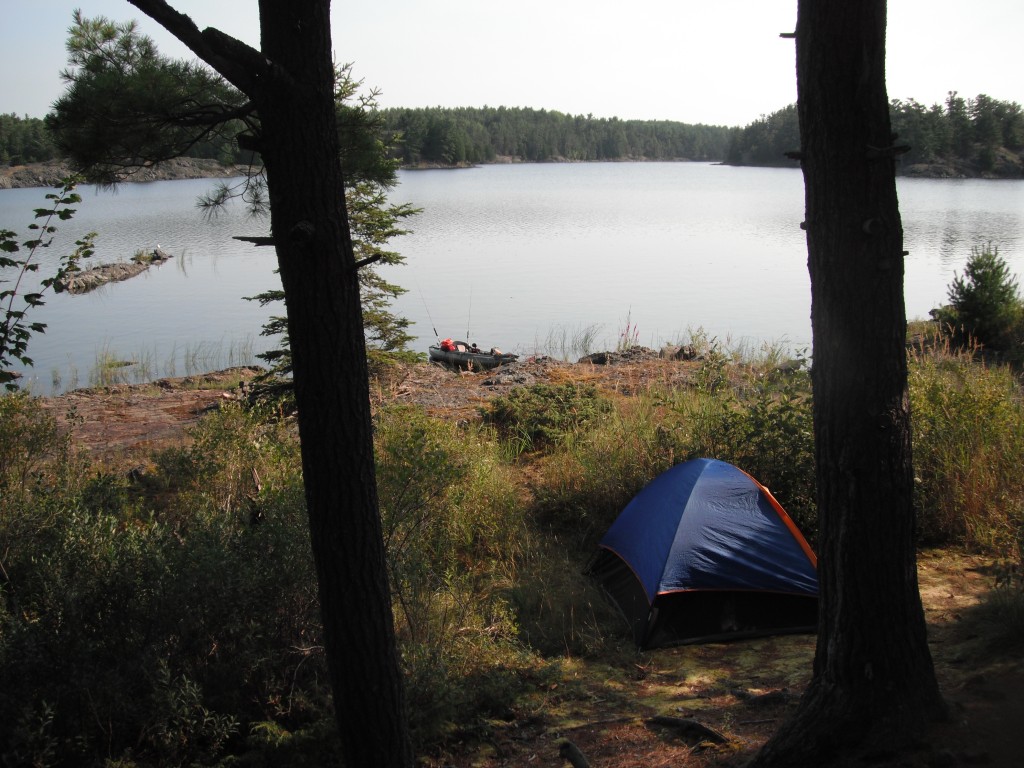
(514, 256)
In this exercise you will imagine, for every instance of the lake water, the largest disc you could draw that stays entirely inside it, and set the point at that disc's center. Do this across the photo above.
(516, 256)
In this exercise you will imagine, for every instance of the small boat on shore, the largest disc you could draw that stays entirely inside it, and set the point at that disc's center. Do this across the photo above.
(469, 357)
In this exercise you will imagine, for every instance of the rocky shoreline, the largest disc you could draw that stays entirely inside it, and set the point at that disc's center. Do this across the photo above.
(1007, 165)
(50, 173)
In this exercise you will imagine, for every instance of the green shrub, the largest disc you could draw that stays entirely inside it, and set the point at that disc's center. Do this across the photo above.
(234, 453)
(454, 534)
(544, 414)
(152, 637)
(587, 480)
(765, 428)
(158, 643)
(29, 438)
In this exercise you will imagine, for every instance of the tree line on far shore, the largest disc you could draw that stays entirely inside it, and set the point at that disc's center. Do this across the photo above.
(25, 140)
(466, 135)
(29, 140)
(982, 136)
(979, 136)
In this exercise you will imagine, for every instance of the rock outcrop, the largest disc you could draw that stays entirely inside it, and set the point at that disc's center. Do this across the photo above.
(49, 174)
(91, 279)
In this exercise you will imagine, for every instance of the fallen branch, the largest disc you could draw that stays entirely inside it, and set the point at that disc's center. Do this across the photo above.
(688, 728)
(592, 723)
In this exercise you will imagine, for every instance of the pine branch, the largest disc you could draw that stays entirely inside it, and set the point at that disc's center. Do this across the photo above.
(240, 64)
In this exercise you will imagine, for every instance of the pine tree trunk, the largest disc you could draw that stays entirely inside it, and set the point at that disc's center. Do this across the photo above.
(873, 685)
(317, 266)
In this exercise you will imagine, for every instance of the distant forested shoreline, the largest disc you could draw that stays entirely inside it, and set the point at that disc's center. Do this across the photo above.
(470, 135)
(978, 137)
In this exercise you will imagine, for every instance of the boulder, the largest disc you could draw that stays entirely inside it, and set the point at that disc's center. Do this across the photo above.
(678, 352)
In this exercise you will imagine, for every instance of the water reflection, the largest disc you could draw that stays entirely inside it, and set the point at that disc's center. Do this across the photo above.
(508, 254)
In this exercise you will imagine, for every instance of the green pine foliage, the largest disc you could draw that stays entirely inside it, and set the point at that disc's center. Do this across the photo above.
(126, 105)
(373, 224)
(985, 306)
(767, 140)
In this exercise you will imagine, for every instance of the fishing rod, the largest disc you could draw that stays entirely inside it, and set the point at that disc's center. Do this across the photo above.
(434, 329)
(469, 313)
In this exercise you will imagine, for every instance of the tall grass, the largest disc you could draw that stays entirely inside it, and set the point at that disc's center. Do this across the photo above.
(112, 368)
(569, 344)
(588, 478)
(968, 431)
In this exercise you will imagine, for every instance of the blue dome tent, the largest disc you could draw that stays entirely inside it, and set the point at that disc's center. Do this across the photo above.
(705, 552)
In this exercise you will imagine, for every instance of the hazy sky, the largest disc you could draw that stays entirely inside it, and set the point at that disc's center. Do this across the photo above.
(697, 61)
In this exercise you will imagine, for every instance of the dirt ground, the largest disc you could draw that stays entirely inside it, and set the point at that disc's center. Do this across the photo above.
(742, 690)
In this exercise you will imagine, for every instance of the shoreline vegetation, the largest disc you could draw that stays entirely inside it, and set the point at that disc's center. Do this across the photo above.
(158, 507)
(51, 172)
(978, 137)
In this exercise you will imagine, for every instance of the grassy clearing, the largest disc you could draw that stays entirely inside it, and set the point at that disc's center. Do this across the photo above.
(170, 616)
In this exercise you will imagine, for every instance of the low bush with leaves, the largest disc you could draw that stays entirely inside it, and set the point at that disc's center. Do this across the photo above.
(134, 634)
(765, 427)
(29, 439)
(544, 414)
(454, 536)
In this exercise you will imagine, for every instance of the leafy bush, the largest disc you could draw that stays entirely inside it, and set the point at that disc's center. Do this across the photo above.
(454, 535)
(235, 455)
(984, 303)
(28, 438)
(153, 637)
(586, 481)
(156, 642)
(766, 429)
(544, 414)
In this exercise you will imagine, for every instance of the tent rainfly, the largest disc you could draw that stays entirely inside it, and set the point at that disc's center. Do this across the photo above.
(705, 552)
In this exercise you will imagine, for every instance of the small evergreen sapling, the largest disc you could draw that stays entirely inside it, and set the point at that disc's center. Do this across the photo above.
(984, 303)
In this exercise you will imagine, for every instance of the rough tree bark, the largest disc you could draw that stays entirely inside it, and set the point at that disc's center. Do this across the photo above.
(873, 686)
(291, 83)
